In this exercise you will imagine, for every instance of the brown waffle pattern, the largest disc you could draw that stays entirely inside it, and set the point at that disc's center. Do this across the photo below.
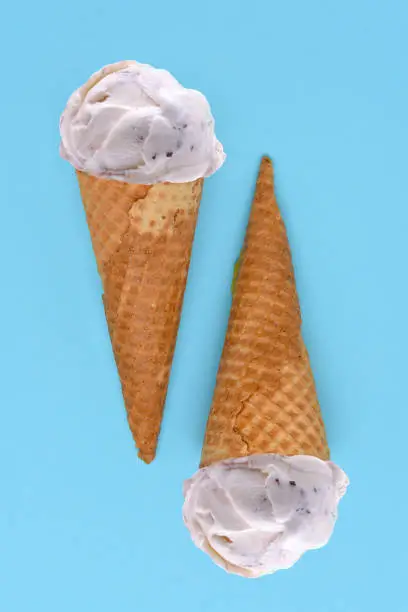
(265, 398)
(142, 238)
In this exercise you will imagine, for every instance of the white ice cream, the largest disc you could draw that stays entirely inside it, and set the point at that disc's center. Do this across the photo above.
(255, 515)
(132, 122)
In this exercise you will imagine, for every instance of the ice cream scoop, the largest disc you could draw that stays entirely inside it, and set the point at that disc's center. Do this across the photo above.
(254, 515)
(135, 123)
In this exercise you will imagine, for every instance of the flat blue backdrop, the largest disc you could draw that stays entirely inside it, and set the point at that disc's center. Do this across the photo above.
(322, 87)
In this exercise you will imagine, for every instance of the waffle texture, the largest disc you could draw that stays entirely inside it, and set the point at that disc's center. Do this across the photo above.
(142, 238)
(265, 398)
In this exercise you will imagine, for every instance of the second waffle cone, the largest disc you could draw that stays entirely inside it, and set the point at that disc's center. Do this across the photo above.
(265, 398)
(142, 238)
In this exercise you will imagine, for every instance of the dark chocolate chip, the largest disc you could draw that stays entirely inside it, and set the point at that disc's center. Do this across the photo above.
(154, 156)
(277, 481)
(192, 148)
(314, 489)
(292, 483)
(184, 126)
(169, 154)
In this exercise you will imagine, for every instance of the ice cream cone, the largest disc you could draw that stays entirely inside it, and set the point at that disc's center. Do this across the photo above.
(265, 398)
(142, 237)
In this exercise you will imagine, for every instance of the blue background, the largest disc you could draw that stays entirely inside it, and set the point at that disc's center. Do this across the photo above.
(322, 87)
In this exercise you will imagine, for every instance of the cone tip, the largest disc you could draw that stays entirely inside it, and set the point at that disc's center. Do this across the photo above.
(146, 454)
(266, 173)
(266, 163)
(146, 457)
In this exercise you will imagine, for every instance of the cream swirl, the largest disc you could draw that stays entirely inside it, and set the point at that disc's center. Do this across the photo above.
(258, 514)
(132, 122)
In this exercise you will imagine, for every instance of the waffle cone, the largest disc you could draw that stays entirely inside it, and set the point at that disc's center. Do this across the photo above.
(142, 237)
(265, 398)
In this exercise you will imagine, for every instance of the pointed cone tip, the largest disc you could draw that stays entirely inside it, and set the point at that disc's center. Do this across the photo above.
(266, 164)
(266, 174)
